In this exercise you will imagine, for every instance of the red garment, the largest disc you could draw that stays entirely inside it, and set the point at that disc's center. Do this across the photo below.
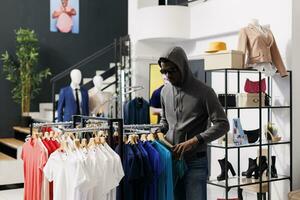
(34, 159)
(46, 129)
(51, 146)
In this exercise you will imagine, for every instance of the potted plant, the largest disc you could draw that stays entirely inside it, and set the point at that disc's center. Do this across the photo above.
(21, 69)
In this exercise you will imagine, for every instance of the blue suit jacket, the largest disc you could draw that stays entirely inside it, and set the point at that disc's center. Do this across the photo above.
(67, 103)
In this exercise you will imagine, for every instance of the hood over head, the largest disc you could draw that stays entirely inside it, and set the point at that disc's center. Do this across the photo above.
(179, 58)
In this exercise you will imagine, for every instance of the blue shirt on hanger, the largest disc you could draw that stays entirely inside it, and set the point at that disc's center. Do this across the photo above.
(157, 169)
(165, 182)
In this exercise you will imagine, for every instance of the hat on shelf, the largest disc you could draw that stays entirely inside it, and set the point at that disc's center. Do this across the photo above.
(216, 46)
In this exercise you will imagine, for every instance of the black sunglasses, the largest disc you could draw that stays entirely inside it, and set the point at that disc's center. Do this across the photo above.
(169, 71)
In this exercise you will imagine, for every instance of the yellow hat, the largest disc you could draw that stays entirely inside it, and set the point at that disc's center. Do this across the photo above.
(216, 46)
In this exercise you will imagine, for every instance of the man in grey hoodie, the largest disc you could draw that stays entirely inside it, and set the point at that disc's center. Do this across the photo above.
(188, 109)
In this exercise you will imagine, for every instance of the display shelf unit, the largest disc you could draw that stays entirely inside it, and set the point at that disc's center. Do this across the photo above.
(233, 146)
(238, 182)
(234, 182)
(263, 107)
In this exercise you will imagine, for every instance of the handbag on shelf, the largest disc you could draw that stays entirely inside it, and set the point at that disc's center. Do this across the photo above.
(231, 100)
(253, 86)
(252, 135)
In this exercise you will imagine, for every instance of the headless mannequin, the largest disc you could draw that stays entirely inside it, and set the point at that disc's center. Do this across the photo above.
(99, 101)
(267, 68)
(260, 28)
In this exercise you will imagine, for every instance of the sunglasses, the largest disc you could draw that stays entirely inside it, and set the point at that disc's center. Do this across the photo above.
(169, 71)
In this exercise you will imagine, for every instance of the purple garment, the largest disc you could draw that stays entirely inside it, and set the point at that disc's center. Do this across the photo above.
(157, 169)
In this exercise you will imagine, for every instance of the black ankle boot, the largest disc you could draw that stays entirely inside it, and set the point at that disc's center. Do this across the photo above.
(224, 174)
(264, 166)
(252, 166)
(273, 168)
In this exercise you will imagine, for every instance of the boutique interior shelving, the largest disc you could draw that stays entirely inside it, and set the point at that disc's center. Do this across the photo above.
(239, 181)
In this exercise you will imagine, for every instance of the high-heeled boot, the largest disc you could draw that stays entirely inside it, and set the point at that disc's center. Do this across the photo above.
(273, 168)
(252, 166)
(224, 174)
(264, 166)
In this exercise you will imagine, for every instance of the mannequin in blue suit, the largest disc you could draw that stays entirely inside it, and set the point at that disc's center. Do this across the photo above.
(67, 105)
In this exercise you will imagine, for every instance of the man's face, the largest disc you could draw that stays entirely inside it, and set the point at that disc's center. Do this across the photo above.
(172, 72)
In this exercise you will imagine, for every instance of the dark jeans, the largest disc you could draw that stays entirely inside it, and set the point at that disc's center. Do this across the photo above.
(193, 185)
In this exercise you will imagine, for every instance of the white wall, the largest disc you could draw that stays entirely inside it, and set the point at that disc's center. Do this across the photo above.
(296, 92)
(221, 20)
(154, 22)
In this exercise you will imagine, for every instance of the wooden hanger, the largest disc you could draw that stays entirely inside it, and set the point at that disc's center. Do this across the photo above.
(46, 135)
(63, 146)
(125, 139)
(116, 133)
(150, 137)
(92, 143)
(143, 138)
(135, 138)
(102, 140)
(131, 139)
(77, 143)
(162, 138)
(84, 143)
(51, 135)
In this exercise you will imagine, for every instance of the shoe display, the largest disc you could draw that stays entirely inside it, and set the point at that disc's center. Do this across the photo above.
(273, 168)
(271, 132)
(224, 174)
(252, 166)
(264, 166)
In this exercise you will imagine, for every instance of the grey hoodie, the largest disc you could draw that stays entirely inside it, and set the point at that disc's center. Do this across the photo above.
(189, 109)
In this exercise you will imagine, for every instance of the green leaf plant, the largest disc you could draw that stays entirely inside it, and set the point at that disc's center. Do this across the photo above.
(22, 71)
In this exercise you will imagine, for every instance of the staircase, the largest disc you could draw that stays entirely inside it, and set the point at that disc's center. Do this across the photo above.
(11, 165)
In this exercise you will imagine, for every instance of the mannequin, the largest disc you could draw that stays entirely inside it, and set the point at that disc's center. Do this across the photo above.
(74, 99)
(99, 101)
(255, 22)
(75, 77)
(260, 49)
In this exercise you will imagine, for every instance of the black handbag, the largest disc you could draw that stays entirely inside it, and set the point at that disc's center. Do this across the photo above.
(231, 100)
(252, 135)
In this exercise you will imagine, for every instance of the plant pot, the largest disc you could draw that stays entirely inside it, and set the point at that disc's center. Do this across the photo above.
(25, 121)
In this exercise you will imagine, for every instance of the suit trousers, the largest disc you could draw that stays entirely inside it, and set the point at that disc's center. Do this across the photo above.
(193, 185)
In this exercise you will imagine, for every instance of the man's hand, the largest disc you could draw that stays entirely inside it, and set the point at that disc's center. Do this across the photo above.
(185, 146)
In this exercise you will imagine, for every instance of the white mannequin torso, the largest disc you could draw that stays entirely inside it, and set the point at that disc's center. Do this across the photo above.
(99, 101)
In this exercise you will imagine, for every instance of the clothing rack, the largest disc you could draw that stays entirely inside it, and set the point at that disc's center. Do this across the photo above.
(37, 125)
(86, 129)
(141, 126)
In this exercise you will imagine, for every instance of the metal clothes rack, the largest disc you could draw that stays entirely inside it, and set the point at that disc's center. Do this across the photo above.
(37, 125)
(141, 126)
